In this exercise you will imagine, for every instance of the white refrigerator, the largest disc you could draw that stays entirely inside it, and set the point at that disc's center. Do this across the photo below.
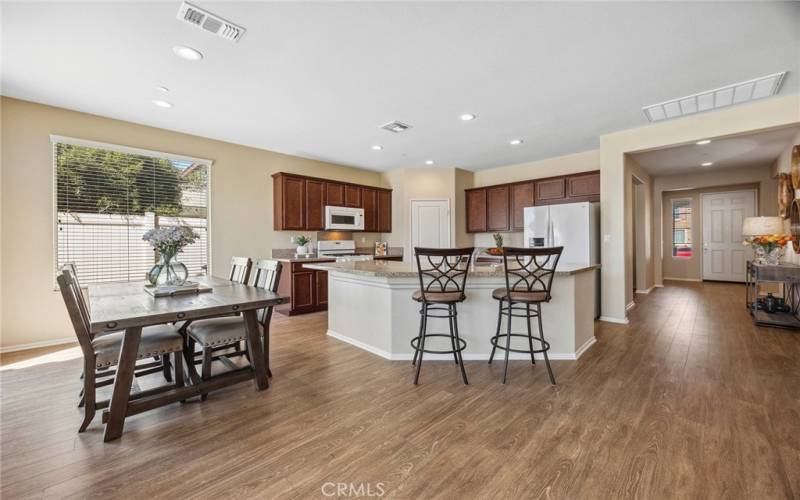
(575, 226)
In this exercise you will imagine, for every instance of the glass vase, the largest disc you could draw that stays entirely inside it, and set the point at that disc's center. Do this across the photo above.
(169, 271)
(768, 257)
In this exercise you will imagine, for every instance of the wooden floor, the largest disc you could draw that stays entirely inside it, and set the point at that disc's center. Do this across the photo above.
(688, 401)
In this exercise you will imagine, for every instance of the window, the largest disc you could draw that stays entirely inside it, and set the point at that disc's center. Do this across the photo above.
(108, 196)
(681, 228)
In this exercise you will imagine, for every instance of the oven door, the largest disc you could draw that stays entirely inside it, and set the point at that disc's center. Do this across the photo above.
(344, 219)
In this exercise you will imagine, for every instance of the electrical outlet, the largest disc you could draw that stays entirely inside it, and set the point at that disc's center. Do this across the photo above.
(363, 239)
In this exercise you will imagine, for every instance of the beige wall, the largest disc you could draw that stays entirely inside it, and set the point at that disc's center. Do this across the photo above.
(783, 165)
(760, 115)
(644, 254)
(241, 204)
(691, 186)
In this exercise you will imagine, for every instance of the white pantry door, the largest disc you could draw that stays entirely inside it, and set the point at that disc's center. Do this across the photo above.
(430, 224)
(724, 255)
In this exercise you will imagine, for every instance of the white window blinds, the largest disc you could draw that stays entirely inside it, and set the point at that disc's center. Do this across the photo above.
(108, 197)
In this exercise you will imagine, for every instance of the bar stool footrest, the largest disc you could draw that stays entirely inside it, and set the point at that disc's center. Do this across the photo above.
(462, 344)
(494, 339)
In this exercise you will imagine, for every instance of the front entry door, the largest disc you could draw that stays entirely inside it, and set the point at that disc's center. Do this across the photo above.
(724, 255)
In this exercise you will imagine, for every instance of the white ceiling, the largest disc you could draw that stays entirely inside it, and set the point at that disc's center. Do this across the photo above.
(318, 79)
(751, 150)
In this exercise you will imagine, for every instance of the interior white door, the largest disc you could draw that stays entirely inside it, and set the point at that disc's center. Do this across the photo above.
(430, 223)
(724, 256)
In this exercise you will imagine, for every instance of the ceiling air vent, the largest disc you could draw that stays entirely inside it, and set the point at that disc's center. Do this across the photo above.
(751, 90)
(207, 21)
(396, 127)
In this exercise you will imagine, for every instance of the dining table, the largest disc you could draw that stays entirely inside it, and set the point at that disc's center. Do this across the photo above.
(128, 307)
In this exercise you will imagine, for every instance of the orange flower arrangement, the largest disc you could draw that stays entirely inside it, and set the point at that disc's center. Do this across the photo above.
(769, 242)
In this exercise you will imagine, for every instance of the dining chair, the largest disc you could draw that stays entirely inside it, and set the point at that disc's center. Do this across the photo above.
(102, 351)
(159, 363)
(216, 334)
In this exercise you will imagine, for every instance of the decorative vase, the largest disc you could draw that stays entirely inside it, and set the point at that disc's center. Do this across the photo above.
(302, 249)
(169, 271)
(771, 258)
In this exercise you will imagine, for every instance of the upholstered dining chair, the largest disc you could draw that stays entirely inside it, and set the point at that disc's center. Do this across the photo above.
(105, 375)
(102, 351)
(217, 334)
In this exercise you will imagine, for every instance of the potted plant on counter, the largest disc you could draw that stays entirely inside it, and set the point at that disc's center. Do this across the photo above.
(302, 244)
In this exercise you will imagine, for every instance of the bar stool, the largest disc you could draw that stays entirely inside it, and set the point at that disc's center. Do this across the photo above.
(442, 278)
(529, 279)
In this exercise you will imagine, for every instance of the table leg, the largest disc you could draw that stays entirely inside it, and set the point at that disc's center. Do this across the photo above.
(254, 345)
(122, 383)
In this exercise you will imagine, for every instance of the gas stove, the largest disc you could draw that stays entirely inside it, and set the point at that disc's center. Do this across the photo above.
(342, 250)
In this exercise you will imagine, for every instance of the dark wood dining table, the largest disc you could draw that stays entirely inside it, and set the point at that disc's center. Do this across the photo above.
(128, 307)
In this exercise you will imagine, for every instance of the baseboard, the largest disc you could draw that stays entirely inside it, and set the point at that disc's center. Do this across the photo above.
(645, 292)
(693, 280)
(36, 345)
(659, 285)
(610, 319)
(630, 305)
(555, 356)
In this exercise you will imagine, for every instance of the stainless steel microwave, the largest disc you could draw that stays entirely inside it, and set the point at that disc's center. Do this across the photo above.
(344, 218)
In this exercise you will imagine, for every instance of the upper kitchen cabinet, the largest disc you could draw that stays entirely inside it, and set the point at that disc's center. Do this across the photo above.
(315, 204)
(549, 191)
(521, 197)
(497, 200)
(384, 211)
(476, 210)
(289, 199)
(300, 202)
(334, 194)
(352, 196)
(584, 187)
(501, 207)
(369, 202)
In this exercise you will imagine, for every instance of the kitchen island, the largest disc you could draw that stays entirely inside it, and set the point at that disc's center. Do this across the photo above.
(370, 306)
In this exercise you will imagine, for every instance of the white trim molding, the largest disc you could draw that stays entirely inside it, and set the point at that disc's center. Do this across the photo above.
(611, 319)
(36, 345)
(127, 149)
(693, 280)
(646, 291)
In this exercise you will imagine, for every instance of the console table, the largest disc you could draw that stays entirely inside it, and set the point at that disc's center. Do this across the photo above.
(786, 274)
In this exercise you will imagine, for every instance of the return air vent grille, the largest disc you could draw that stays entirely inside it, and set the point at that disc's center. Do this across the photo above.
(207, 21)
(396, 127)
(738, 93)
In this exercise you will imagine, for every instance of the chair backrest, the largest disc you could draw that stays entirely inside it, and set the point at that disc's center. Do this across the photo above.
(531, 269)
(266, 275)
(76, 307)
(442, 269)
(84, 307)
(240, 269)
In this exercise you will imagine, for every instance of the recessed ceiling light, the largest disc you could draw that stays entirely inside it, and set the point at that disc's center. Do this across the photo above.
(467, 117)
(515, 142)
(162, 104)
(377, 147)
(162, 89)
(428, 162)
(707, 164)
(703, 142)
(187, 53)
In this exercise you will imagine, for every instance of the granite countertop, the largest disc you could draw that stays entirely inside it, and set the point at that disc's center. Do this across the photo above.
(289, 256)
(389, 269)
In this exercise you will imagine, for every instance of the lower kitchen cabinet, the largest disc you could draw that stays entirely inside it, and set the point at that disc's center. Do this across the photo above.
(307, 288)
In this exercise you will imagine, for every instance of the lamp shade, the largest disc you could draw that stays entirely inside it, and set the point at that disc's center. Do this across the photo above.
(758, 226)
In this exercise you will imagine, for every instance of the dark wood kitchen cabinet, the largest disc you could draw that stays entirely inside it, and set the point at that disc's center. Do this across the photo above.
(384, 211)
(299, 203)
(315, 205)
(476, 210)
(352, 196)
(521, 197)
(334, 194)
(307, 289)
(501, 207)
(497, 208)
(369, 202)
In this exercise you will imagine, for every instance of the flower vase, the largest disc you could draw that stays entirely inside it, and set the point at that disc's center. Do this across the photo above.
(169, 271)
(768, 257)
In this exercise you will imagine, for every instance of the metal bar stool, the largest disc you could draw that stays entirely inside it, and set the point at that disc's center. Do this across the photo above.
(442, 278)
(529, 280)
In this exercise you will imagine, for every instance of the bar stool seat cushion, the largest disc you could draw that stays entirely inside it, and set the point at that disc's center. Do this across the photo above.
(520, 296)
(218, 331)
(438, 297)
(156, 340)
